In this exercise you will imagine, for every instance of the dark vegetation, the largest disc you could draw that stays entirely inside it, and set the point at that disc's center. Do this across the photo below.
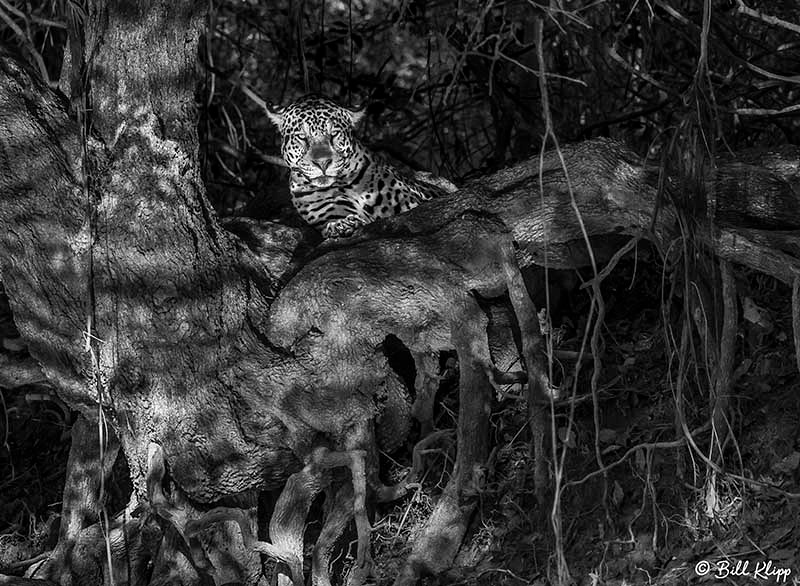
(452, 87)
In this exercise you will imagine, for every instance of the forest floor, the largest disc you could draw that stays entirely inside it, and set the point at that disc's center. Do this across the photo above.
(655, 517)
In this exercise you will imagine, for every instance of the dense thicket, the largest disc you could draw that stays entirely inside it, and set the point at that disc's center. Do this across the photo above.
(452, 86)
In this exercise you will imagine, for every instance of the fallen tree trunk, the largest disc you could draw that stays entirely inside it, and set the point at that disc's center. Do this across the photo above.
(136, 302)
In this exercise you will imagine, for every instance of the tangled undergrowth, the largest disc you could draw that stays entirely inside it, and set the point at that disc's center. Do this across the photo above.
(650, 518)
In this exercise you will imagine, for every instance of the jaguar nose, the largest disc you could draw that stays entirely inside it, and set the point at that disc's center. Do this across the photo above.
(323, 163)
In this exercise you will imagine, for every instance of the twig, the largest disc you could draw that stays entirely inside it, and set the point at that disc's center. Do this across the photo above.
(12, 25)
(26, 563)
(503, 571)
(612, 52)
(721, 388)
(26, 40)
(773, 20)
(32, 17)
(766, 111)
(463, 56)
(644, 446)
(254, 96)
(556, 518)
(527, 69)
(768, 74)
(796, 318)
(630, 245)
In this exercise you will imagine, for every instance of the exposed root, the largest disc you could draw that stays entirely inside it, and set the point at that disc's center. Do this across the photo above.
(508, 378)
(238, 516)
(14, 581)
(288, 521)
(435, 549)
(81, 507)
(363, 528)
(287, 525)
(386, 494)
(426, 386)
(291, 510)
(337, 515)
(539, 386)
(182, 552)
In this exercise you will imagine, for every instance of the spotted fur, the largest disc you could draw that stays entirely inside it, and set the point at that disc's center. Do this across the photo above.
(337, 184)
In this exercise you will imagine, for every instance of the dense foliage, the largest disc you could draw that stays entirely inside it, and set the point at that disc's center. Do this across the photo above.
(454, 86)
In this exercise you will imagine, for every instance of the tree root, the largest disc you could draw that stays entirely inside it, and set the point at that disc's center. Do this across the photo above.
(433, 551)
(338, 514)
(81, 508)
(426, 386)
(288, 521)
(385, 494)
(291, 510)
(15, 581)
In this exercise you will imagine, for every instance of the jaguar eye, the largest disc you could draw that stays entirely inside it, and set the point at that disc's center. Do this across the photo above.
(300, 140)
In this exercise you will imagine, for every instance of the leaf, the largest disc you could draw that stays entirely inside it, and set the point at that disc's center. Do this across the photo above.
(641, 461)
(787, 465)
(567, 437)
(787, 554)
(711, 498)
(607, 436)
(756, 315)
(617, 494)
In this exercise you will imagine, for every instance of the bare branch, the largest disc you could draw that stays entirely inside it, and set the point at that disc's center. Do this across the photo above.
(612, 52)
(766, 111)
(32, 17)
(773, 20)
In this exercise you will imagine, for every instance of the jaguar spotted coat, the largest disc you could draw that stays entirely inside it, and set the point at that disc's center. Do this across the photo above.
(337, 184)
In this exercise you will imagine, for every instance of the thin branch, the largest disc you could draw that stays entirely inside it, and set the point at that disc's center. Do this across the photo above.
(534, 71)
(773, 20)
(32, 17)
(766, 111)
(612, 52)
(770, 75)
(754, 68)
(631, 451)
(630, 245)
(37, 57)
(796, 318)
(12, 25)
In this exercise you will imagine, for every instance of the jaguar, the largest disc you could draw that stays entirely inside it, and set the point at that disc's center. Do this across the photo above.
(336, 183)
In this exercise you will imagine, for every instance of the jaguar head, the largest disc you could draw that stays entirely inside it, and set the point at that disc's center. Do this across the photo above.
(318, 143)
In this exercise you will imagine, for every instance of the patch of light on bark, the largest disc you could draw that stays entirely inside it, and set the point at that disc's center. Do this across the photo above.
(81, 243)
(160, 145)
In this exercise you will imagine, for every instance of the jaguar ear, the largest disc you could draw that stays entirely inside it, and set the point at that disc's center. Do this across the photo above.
(274, 114)
(356, 114)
